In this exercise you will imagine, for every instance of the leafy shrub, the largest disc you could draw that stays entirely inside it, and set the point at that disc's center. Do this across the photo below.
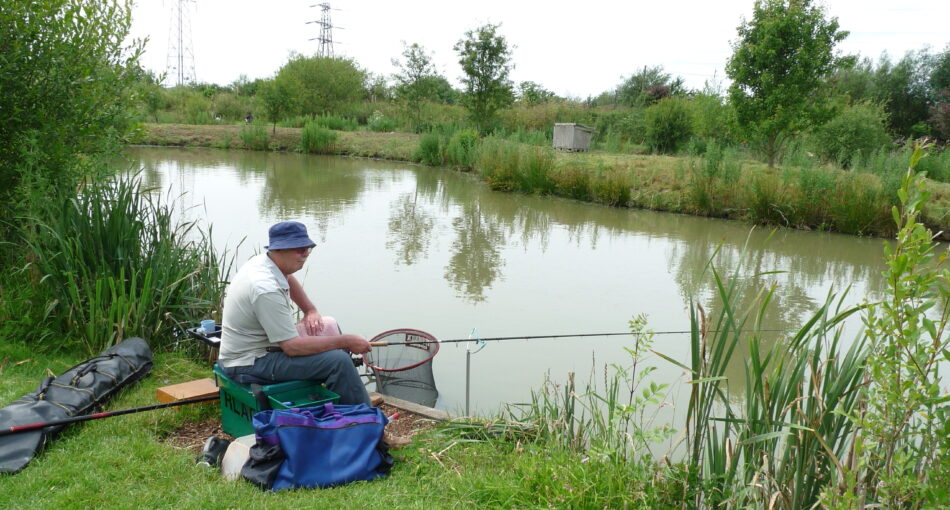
(713, 118)
(316, 139)
(429, 151)
(462, 149)
(857, 130)
(231, 107)
(669, 125)
(196, 109)
(380, 123)
(255, 137)
(626, 125)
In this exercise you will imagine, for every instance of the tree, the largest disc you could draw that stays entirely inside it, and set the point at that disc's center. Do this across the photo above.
(277, 96)
(531, 93)
(904, 91)
(940, 73)
(415, 81)
(647, 86)
(486, 61)
(322, 84)
(65, 91)
(777, 67)
(377, 89)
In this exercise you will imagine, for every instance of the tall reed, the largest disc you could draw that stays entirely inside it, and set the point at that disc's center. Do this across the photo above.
(316, 139)
(113, 261)
(781, 442)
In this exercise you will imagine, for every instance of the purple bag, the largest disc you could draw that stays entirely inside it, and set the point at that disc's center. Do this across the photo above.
(324, 445)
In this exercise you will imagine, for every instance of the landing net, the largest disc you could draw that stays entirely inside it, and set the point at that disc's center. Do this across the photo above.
(403, 368)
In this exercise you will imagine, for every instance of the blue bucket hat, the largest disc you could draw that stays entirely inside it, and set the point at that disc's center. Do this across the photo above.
(288, 234)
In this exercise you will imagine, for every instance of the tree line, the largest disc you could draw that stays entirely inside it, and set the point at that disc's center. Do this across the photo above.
(788, 83)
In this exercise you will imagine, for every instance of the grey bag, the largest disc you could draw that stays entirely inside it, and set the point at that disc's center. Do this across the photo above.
(77, 391)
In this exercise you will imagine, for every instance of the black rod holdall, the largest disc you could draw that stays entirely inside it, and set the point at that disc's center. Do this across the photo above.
(77, 391)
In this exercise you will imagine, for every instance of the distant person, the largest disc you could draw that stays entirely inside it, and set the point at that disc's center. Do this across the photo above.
(248, 118)
(259, 340)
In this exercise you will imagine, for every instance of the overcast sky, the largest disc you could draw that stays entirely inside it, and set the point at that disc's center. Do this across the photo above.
(575, 48)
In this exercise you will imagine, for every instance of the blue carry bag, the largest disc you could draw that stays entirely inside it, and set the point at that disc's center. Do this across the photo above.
(319, 446)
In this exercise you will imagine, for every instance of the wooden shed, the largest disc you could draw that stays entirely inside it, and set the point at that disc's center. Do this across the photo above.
(572, 137)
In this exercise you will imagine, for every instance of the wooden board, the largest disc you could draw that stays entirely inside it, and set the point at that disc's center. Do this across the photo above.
(185, 390)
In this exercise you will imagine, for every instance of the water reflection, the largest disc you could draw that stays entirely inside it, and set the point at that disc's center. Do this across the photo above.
(476, 260)
(410, 229)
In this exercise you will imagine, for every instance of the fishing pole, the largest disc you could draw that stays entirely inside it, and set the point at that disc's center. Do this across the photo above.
(384, 343)
(105, 414)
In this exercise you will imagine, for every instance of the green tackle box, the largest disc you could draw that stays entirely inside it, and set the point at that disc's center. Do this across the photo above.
(238, 404)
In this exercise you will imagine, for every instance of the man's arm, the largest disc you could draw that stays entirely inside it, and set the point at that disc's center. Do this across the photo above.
(304, 345)
(311, 317)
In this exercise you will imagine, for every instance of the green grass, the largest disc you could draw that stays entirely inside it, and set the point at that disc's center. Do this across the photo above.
(124, 462)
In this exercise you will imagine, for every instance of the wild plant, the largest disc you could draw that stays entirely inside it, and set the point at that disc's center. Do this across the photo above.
(711, 177)
(610, 186)
(316, 139)
(669, 125)
(611, 420)
(535, 167)
(811, 204)
(462, 149)
(573, 180)
(381, 123)
(498, 163)
(336, 123)
(255, 137)
(429, 151)
(113, 261)
(901, 444)
(779, 443)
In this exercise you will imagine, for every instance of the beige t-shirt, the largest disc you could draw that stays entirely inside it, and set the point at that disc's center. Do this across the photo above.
(258, 312)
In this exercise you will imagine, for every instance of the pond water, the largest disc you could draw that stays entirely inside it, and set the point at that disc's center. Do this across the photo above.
(406, 246)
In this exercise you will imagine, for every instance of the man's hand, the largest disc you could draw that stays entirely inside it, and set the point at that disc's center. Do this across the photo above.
(358, 345)
(312, 322)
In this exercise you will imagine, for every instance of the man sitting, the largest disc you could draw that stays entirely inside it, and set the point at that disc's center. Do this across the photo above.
(259, 340)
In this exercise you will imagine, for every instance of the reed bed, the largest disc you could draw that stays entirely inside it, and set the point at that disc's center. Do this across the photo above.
(113, 261)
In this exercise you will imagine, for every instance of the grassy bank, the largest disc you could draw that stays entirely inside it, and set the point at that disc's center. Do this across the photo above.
(128, 462)
(714, 182)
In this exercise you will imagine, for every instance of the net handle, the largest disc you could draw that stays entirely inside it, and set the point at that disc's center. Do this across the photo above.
(382, 343)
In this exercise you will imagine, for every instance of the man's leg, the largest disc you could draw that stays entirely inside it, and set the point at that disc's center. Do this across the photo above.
(333, 368)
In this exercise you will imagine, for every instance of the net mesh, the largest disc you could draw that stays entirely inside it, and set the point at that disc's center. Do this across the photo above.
(403, 368)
